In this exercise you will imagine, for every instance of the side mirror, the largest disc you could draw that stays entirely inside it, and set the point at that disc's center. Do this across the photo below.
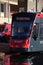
(34, 37)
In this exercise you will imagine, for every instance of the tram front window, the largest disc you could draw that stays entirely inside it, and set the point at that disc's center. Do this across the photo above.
(21, 30)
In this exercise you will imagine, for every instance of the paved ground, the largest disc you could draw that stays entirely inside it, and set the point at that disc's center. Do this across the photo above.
(34, 60)
(25, 60)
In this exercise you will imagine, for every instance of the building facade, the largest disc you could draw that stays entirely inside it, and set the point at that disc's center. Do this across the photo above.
(7, 7)
(39, 5)
(31, 5)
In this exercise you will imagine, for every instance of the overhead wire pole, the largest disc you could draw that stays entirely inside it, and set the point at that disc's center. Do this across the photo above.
(36, 5)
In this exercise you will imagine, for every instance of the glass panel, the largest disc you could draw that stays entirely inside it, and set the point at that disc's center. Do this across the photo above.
(35, 30)
(41, 30)
(2, 7)
(22, 27)
(21, 30)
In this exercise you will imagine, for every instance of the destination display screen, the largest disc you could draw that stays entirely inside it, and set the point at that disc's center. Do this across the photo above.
(22, 18)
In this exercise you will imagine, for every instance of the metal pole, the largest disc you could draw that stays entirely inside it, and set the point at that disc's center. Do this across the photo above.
(0, 6)
(36, 5)
(8, 11)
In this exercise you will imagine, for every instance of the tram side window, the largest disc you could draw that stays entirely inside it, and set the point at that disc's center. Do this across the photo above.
(35, 31)
(41, 31)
